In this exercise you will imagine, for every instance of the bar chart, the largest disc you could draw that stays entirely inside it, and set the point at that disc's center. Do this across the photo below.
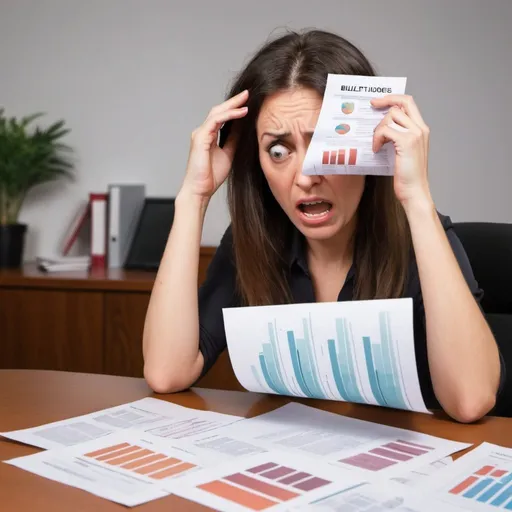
(389, 454)
(264, 486)
(362, 353)
(489, 484)
(140, 460)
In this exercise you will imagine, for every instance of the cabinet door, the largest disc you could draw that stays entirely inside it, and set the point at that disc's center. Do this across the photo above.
(51, 330)
(124, 324)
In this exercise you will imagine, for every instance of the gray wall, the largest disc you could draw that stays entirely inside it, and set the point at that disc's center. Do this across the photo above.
(133, 78)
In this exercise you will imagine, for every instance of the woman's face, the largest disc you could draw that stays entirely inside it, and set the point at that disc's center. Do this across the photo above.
(319, 206)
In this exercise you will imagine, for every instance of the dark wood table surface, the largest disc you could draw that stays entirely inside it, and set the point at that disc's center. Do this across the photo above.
(29, 398)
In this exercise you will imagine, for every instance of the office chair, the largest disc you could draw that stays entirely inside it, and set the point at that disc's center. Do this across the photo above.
(489, 249)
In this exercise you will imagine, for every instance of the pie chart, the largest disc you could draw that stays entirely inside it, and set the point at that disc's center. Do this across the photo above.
(342, 129)
(347, 107)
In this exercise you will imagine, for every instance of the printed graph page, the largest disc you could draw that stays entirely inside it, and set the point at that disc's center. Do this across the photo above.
(157, 416)
(343, 137)
(372, 497)
(416, 477)
(273, 481)
(354, 445)
(124, 467)
(358, 351)
(479, 480)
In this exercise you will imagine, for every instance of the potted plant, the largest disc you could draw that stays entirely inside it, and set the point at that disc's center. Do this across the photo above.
(27, 158)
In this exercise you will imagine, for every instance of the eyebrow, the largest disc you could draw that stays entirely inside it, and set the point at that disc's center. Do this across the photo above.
(283, 135)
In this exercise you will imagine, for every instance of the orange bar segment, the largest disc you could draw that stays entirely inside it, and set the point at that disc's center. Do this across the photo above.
(257, 485)
(118, 453)
(464, 485)
(142, 462)
(174, 470)
(325, 157)
(352, 157)
(484, 471)
(127, 458)
(108, 449)
(498, 473)
(171, 461)
(245, 498)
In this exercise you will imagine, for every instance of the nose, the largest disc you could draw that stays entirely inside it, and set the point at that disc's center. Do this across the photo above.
(304, 181)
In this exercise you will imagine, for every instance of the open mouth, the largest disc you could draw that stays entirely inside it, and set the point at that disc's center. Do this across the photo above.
(315, 208)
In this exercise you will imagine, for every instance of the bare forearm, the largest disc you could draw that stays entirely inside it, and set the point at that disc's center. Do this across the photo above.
(171, 331)
(462, 353)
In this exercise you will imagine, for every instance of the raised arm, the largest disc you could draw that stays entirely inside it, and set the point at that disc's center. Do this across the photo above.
(172, 360)
(462, 352)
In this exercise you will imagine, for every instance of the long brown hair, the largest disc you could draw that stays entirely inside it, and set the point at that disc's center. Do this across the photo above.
(261, 230)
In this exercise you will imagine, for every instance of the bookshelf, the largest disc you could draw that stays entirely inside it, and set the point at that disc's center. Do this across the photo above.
(88, 322)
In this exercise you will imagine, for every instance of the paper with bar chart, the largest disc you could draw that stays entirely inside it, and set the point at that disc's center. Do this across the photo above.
(479, 480)
(267, 481)
(355, 351)
(343, 136)
(124, 467)
(158, 417)
(355, 445)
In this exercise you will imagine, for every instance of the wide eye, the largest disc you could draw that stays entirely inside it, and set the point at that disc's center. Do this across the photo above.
(278, 152)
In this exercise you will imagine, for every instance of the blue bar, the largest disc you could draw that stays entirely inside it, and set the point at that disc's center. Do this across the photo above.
(495, 489)
(508, 506)
(371, 372)
(478, 487)
(346, 363)
(382, 381)
(273, 342)
(389, 362)
(307, 368)
(272, 368)
(313, 363)
(336, 370)
(296, 364)
(502, 498)
(266, 375)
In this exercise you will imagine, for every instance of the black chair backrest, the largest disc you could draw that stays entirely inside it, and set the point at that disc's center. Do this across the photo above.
(489, 249)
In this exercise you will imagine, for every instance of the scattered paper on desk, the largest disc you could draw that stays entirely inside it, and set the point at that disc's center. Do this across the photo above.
(126, 467)
(355, 445)
(357, 351)
(416, 476)
(158, 417)
(479, 480)
(275, 481)
(343, 137)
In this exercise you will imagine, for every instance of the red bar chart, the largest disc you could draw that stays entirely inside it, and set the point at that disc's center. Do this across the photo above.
(339, 156)
(387, 455)
(263, 486)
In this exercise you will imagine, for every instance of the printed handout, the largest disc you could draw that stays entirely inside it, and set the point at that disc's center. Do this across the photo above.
(343, 136)
(125, 467)
(158, 417)
(357, 351)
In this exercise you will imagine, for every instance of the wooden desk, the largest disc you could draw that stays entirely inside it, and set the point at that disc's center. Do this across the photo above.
(31, 398)
(76, 321)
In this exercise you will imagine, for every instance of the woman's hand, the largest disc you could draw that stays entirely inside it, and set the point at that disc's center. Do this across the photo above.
(405, 128)
(208, 164)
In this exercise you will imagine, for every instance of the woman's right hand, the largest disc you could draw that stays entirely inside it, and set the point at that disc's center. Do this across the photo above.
(208, 164)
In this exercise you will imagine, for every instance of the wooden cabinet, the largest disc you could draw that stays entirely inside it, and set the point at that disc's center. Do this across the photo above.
(84, 321)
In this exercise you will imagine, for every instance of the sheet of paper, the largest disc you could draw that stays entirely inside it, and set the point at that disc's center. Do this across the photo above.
(343, 137)
(372, 497)
(359, 446)
(274, 480)
(479, 480)
(156, 416)
(126, 467)
(357, 351)
(415, 477)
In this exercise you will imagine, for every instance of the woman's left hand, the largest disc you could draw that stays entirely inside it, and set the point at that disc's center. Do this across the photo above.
(404, 127)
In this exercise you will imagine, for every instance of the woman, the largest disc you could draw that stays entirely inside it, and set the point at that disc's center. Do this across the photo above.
(298, 238)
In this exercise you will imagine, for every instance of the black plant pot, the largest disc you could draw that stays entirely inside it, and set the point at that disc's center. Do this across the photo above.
(12, 244)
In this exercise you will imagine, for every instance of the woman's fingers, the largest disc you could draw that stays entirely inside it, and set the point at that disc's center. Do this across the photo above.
(236, 101)
(397, 120)
(209, 129)
(405, 102)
